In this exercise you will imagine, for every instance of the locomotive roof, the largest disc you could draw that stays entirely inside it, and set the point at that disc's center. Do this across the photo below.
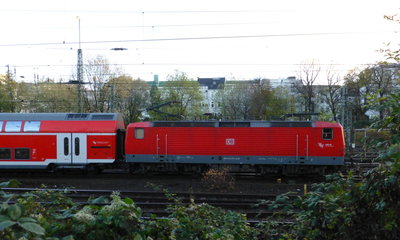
(241, 124)
(61, 116)
(233, 124)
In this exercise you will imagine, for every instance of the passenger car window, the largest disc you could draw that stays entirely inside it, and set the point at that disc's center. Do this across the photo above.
(32, 126)
(13, 126)
(22, 154)
(139, 133)
(5, 153)
(77, 148)
(327, 133)
(66, 146)
(1, 126)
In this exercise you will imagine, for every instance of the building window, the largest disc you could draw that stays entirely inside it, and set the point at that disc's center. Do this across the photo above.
(5, 153)
(32, 126)
(13, 126)
(22, 153)
(327, 133)
(139, 133)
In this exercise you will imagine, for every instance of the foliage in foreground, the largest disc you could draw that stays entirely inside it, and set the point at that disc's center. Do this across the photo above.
(56, 217)
(340, 208)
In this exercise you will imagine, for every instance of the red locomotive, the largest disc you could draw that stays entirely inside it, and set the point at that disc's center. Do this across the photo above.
(260, 146)
(72, 140)
(46, 140)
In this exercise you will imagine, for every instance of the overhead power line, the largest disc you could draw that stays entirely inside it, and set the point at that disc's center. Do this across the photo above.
(188, 25)
(194, 64)
(190, 38)
(137, 12)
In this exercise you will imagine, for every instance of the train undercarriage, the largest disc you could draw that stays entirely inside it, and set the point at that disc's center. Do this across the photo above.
(262, 170)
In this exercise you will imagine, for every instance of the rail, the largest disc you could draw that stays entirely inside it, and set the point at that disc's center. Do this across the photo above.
(157, 202)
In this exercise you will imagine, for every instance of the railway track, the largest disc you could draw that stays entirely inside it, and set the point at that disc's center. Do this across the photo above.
(157, 202)
(362, 155)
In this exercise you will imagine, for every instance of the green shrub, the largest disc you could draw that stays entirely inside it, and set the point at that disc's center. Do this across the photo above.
(202, 221)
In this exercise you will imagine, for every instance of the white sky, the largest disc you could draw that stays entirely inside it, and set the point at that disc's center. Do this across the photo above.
(208, 38)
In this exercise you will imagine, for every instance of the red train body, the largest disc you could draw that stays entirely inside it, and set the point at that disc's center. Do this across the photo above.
(278, 147)
(42, 140)
(61, 140)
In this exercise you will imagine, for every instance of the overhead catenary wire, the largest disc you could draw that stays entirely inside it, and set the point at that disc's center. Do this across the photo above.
(139, 12)
(190, 38)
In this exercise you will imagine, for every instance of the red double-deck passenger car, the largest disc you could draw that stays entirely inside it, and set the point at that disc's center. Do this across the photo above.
(260, 146)
(46, 140)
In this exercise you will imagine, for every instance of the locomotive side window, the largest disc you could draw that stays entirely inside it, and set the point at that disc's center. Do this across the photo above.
(5, 153)
(139, 133)
(1, 126)
(22, 154)
(327, 133)
(32, 126)
(13, 126)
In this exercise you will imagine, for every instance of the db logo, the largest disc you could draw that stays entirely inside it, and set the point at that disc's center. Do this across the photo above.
(230, 141)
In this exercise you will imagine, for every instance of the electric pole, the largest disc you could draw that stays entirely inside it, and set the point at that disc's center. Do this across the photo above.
(347, 117)
(8, 74)
(79, 68)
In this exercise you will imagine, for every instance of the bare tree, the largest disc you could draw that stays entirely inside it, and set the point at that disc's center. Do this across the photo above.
(331, 93)
(97, 72)
(305, 86)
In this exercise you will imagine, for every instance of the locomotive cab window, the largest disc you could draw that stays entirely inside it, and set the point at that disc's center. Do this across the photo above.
(22, 154)
(5, 153)
(139, 133)
(327, 133)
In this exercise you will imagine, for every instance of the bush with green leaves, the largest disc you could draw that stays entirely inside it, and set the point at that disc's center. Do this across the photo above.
(51, 215)
(342, 208)
(207, 222)
(18, 219)
(120, 219)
